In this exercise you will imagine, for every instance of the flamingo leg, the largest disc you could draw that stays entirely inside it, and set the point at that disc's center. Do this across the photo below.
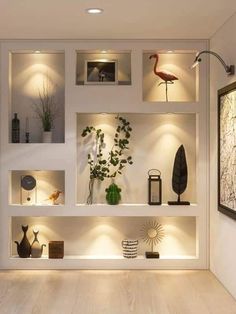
(166, 83)
(167, 91)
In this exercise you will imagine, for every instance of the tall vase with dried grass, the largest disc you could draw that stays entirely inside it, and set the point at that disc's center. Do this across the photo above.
(47, 111)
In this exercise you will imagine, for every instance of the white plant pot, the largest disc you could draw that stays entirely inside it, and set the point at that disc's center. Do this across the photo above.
(47, 137)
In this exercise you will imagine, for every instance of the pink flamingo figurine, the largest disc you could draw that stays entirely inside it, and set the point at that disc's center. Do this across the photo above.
(166, 77)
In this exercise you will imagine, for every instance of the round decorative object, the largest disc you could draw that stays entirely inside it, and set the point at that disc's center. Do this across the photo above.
(28, 183)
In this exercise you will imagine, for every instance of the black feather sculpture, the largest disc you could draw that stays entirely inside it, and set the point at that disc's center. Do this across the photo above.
(179, 176)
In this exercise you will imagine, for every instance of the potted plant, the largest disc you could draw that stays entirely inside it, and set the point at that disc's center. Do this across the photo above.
(46, 110)
(114, 164)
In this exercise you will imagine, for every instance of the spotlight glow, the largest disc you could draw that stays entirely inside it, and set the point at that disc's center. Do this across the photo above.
(94, 11)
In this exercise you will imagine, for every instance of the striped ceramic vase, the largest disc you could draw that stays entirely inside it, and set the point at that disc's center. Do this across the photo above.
(130, 248)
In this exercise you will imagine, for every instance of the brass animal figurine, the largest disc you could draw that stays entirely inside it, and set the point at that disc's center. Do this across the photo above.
(54, 196)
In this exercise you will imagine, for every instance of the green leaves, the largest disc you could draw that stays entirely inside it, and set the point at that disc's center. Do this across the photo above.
(101, 168)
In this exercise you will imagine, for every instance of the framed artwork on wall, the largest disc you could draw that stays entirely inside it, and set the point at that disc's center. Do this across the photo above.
(101, 72)
(227, 150)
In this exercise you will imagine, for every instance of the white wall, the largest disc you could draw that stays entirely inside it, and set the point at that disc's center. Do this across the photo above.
(222, 228)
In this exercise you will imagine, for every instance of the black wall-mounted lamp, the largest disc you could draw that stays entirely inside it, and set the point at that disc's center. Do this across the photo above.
(229, 69)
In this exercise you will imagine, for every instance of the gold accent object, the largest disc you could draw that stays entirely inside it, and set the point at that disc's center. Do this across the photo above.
(152, 233)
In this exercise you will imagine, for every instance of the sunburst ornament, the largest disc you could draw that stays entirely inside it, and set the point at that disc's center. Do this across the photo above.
(152, 233)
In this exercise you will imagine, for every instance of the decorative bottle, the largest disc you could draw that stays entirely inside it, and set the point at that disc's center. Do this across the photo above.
(15, 132)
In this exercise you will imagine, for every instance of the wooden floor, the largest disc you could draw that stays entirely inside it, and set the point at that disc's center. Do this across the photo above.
(113, 292)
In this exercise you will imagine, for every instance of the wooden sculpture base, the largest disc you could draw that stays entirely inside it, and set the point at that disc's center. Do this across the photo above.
(152, 254)
(178, 203)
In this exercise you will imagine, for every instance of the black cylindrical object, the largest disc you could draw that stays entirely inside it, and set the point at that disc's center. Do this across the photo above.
(15, 129)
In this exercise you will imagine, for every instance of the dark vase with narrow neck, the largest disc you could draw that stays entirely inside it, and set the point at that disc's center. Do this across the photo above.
(15, 132)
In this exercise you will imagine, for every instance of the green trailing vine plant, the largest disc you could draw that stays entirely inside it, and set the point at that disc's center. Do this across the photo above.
(114, 164)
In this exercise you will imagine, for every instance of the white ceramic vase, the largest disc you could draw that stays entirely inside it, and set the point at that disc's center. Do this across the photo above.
(47, 137)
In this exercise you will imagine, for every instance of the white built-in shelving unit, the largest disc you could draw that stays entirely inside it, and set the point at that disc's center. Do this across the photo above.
(92, 233)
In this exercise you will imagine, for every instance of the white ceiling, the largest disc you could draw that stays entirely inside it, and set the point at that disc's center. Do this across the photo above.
(169, 19)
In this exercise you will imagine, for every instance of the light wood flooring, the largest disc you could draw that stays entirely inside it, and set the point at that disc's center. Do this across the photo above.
(113, 292)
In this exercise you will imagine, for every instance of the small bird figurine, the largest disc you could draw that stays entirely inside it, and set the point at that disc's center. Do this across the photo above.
(54, 196)
(168, 78)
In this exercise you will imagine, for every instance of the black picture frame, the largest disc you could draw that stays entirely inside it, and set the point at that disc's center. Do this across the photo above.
(101, 72)
(227, 150)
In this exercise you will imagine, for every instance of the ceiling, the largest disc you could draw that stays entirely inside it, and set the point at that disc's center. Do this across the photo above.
(122, 19)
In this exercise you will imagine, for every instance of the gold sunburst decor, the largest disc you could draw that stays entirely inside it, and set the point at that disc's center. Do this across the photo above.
(152, 233)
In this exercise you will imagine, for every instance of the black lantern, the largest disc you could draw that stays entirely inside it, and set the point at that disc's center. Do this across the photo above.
(154, 187)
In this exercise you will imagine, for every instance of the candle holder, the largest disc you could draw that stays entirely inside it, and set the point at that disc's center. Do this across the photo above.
(27, 137)
(27, 130)
(154, 187)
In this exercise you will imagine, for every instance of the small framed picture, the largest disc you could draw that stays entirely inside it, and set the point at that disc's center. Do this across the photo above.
(227, 150)
(101, 72)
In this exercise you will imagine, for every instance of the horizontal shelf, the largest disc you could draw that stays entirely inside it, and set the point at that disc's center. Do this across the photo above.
(132, 105)
(37, 205)
(108, 262)
(35, 143)
(110, 257)
(137, 210)
(83, 210)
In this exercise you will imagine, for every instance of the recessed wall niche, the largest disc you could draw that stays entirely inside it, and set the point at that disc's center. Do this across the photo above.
(154, 141)
(100, 237)
(103, 67)
(37, 187)
(185, 89)
(34, 75)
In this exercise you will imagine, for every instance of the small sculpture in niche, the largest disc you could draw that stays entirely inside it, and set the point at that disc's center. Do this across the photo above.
(113, 194)
(54, 196)
(36, 248)
(167, 78)
(179, 176)
(152, 233)
(24, 248)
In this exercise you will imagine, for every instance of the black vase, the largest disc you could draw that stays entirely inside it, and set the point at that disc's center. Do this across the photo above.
(24, 248)
(15, 129)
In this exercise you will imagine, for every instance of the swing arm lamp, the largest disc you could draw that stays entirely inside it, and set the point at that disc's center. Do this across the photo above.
(229, 69)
